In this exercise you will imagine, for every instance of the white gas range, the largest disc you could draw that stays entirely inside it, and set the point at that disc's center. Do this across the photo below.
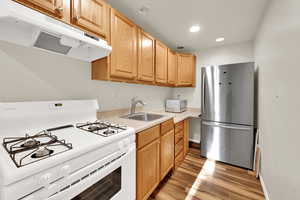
(59, 151)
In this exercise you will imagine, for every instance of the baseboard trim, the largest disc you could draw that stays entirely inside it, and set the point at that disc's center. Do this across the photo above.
(264, 187)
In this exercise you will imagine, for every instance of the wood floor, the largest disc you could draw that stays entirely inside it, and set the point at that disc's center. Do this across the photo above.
(201, 179)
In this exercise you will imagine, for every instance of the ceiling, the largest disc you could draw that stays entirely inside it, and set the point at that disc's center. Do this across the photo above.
(170, 20)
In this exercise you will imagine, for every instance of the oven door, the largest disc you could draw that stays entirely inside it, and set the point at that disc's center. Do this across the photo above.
(113, 179)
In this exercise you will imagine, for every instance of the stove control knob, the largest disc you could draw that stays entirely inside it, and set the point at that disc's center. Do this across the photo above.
(65, 171)
(45, 180)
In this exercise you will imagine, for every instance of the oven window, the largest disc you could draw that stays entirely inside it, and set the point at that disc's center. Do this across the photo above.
(104, 189)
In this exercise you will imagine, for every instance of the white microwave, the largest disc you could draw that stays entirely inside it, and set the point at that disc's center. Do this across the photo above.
(176, 105)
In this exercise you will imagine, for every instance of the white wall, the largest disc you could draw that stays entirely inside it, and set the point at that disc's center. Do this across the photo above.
(277, 56)
(227, 54)
(33, 75)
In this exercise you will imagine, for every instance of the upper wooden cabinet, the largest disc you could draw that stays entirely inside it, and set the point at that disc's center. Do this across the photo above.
(186, 69)
(146, 52)
(136, 57)
(161, 62)
(55, 8)
(124, 45)
(172, 67)
(91, 15)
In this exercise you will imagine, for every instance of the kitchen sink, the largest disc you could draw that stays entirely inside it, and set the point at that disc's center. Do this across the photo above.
(143, 116)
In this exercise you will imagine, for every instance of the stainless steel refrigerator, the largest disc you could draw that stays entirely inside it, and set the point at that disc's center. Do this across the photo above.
(227, 125)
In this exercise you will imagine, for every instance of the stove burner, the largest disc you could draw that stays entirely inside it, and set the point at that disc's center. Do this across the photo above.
(109, 132)
(30, 143)
(93, 128)
(42, 152)
(104, 129)
(97, 127)
(33, 148)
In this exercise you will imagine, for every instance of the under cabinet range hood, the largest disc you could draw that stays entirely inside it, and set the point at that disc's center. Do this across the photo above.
(24, 26)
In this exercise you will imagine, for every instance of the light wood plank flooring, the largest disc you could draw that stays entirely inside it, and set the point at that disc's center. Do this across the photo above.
(201, 179)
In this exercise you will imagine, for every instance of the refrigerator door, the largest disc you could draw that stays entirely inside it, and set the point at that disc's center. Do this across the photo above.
(228, 143)
(228, 93)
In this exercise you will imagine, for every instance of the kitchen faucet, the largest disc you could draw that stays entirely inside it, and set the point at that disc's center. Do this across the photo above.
(134, 102)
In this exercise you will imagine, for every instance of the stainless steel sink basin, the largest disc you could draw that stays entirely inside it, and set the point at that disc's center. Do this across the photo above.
(143, 116)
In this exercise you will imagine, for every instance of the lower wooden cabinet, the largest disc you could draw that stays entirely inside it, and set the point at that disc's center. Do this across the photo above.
(155, 157)
(166, 153)
(148, 176)
(159, 149)
(181, 141)
(186, 137)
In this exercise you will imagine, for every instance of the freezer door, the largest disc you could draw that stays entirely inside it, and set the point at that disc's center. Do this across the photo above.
(228, 143)
(228, 93)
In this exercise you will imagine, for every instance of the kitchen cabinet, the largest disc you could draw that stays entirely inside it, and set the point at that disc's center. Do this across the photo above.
(146, 56)
(155, 157)
(54, 8)
(161, 63)
(121, 64)
(166, 151)
(136, 56)
(186, 69)
(172, 67)
(181, 141)
(124, 45)
(90, 15)
(148, 162)
(186, 138)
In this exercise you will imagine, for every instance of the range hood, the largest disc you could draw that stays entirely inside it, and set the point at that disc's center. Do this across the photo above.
(24, 26)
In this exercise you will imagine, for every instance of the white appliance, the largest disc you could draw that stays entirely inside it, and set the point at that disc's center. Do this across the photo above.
(176, 105)
(63, 156)
(24, 26)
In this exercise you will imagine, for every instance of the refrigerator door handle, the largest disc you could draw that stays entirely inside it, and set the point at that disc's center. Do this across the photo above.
(236, 127)
(204, 92)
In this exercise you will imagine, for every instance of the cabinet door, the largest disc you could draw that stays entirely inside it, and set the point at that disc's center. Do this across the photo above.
(124, 45)
(186, 65)
(147, 170)
(161, 62)
(52, 7)
(146, 57)
(172, 67)
(186, 137)
(91, 15)
(166, 153)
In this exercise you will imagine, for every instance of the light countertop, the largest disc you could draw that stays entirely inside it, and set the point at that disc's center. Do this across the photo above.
(139, 126)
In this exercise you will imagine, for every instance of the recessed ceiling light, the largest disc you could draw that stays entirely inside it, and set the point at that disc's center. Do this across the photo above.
(221, 39)
(194, 29)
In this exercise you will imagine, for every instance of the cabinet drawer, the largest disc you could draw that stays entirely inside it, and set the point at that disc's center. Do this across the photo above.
(179, 126)
(178, 159)
(147, 136)
(179, 147)
(178, 136)
(167, 126)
